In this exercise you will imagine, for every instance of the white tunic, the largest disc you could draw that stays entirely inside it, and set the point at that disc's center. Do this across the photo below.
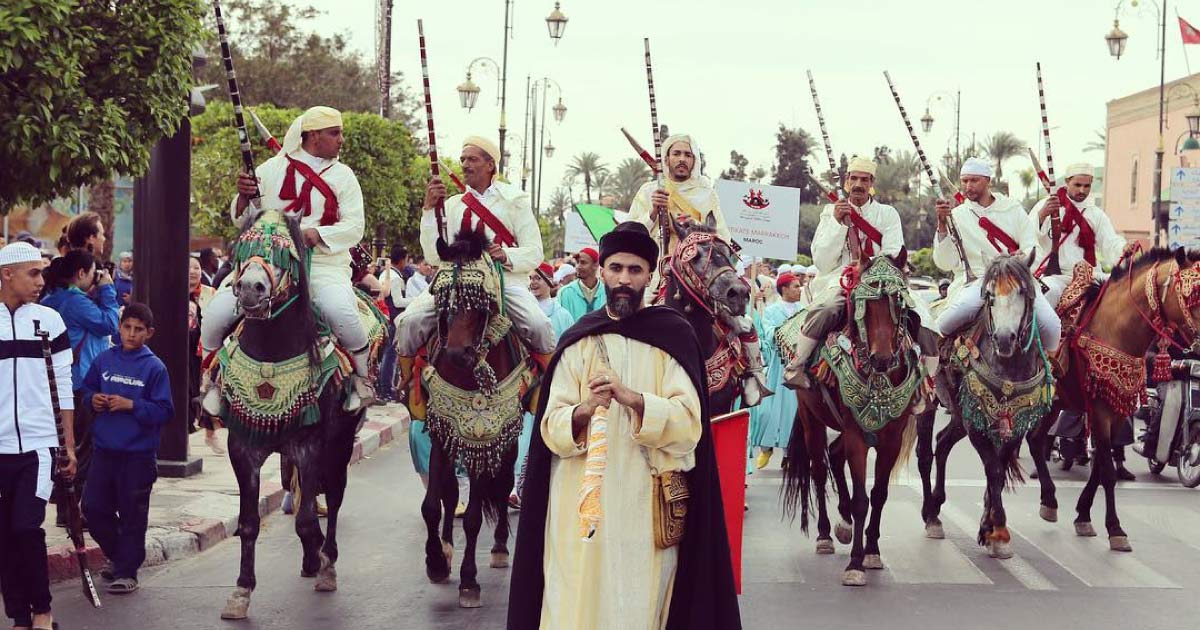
(1109, 244)
(831, 253)
(1006, 213)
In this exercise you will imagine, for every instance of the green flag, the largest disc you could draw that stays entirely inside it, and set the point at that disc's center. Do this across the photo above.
(598, 219)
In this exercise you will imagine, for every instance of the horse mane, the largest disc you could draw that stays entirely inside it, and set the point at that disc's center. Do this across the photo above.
(467, 245)
(1150, 257)
(308, 319)
(1012, 266)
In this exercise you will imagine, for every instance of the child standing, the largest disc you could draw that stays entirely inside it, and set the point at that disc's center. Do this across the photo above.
(129, 389)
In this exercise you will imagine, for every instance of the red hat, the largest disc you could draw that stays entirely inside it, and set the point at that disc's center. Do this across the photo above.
(783, 280)
(546, 271)
(595, 256)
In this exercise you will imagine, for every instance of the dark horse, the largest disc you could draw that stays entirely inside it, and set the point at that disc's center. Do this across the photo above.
(479, 377)
(865, 389)
(296, 413)
(997, 385)
(702, 284)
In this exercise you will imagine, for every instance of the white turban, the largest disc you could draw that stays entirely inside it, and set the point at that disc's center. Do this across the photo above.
(485, 145)
(785, 268)
(1080, 168)
(811, 270)
(313, 119)
(978, 166)
(18, 253)
(563, 271)
(862, 165)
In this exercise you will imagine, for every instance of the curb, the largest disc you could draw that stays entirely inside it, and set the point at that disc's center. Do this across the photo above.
(192, 536)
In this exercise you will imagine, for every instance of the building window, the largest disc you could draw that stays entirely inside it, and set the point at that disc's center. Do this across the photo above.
(1133, 183)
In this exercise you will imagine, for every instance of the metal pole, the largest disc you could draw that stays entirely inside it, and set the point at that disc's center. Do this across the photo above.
(542, 166)
(525, 135)
(504, 86)
(957, 128)
(1158, 154)
(534, 157)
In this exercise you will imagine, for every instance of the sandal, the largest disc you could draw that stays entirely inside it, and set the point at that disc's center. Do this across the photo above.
(53, 626)
(123, 586)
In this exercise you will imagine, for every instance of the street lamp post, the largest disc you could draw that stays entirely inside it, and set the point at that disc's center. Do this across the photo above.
(468, 91)
(556, 23)
(560, 112)
(927, 120)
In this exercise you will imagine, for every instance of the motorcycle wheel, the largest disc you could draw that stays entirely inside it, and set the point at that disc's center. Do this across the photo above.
(1189, 457)
(1156, 467)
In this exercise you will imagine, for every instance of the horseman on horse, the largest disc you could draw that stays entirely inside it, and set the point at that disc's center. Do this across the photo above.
(688, 198)
(856, 224)
(307, 181)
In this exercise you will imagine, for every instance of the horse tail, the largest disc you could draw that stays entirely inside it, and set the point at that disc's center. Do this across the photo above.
(1014, 475)
(494, 497)
(797, 476)
(908, 441)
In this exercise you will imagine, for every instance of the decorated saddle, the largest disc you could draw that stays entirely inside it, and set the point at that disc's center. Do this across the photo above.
(474, 426)
(264, 400)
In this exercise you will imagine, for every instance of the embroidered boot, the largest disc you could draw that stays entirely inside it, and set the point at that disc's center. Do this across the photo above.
(362, 391)
(754, 381)
(795, 375)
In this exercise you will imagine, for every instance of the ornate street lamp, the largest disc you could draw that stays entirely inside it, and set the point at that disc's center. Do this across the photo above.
(556, 23)
(926, 121)
(560, 110)
(1116, 39)
(549, 149)
(468, 93)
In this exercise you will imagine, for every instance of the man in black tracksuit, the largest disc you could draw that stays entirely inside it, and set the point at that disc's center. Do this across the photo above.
(28, 437)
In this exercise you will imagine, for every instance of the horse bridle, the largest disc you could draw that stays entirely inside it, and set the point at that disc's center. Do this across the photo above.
(1186, 282)
(281, 287)
(875, 287)
(1025, 330)
(689, 279)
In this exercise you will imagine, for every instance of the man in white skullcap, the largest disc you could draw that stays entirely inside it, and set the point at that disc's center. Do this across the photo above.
(306, 179)
(1086, 234)
(502, 212)
(990, 224)
(879, 232)
(687, 195)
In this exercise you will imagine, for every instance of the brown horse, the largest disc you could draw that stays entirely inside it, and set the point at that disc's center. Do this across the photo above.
(1157, 296)
(865, 389)
(475, 384)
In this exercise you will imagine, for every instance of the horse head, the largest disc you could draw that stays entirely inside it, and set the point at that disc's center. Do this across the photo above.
(881, 304)
(466, 294)
(269, 273)
(702, 265)
(1009, 291)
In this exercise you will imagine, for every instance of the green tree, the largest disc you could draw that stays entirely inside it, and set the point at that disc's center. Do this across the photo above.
(1000, 146)
(737, 167)
(921, 261)
(792, 148)
(757, 175)
(1027, 177)
(88, 88)
(381, 152)
(631, 174)
(588, 166)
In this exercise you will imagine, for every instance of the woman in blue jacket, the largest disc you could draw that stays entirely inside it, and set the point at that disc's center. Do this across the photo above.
(91, 321)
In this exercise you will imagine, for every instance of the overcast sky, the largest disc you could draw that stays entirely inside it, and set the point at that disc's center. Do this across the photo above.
(730, 71)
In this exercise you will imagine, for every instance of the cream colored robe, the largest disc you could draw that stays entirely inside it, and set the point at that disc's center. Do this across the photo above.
(619, 578)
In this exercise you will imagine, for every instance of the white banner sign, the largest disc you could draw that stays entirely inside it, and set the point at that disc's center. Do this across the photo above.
(1184, 209)
(764, 220)
(576, 236)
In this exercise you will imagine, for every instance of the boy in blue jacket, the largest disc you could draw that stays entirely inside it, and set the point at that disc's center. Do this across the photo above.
(129, 389)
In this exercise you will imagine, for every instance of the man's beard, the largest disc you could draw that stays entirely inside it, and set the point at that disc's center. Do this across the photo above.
(624, 301)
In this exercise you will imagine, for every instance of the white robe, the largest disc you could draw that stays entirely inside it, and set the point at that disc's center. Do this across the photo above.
(1006, 213)
(619, 578)
(1109, 244)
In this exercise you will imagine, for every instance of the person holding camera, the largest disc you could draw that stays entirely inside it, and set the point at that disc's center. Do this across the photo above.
(91, 320)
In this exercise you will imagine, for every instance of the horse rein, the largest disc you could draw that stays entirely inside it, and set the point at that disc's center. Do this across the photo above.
(1157, 318)
(700, 295)
(280, 287)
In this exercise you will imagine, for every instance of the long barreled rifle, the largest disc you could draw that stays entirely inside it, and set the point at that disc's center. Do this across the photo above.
(937, 183)
(235, 97)
(839, 193)
(265, 133)
(67, 486)
(1052, 266)
(439, 210)
(664, 233)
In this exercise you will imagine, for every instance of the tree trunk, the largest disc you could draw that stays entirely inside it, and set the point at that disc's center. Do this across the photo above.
(100, 201)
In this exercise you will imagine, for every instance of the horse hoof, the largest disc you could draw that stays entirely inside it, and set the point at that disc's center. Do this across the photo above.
(499, 560)
(844, 532)
(238, 604)
(469, 598)
(825, 546)
(873, 562)
(1000, 550)
(1119, 543)
(448, 551)
(935, 531)
(1085, 529)
(326, 577)
(854, 577)
(1048, 514)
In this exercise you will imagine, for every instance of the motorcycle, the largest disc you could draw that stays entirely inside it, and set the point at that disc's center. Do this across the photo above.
(1172, 417)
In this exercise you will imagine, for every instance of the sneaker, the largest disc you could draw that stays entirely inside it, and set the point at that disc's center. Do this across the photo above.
(461, 510)
(764, 458)
(214, 444)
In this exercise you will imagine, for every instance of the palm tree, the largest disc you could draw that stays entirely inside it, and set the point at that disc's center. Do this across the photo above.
(1100, 144)
(588, 166)
(630, 176)
(1026, 179)
(1001, 146)
(603, 181)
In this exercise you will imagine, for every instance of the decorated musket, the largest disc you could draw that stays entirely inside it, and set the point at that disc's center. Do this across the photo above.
(1052, 264)
(235, 97)
(67, 487)
(265, 133)
(838, 193)
(434, 164)
(953, 227)
(664, 233)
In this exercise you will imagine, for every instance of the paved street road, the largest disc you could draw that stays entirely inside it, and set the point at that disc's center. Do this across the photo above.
(1056, 580)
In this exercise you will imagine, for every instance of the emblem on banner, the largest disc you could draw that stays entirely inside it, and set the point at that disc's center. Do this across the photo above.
(755, 199)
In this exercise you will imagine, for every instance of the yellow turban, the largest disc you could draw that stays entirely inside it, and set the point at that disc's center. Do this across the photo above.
(1082, 168)
(485, 145)
(313, 119)
(862, 165)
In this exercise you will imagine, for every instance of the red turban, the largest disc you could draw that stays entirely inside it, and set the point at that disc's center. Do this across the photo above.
(783, 280)
(595, 256)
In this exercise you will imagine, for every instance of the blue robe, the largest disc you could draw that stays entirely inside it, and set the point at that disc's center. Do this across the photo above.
(777, 413)
(571, 298)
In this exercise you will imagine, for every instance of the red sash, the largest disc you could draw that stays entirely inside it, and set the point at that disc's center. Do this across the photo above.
(302, 202)
(998, 237)
(486, 218)
(874, 237)
(1073, 219)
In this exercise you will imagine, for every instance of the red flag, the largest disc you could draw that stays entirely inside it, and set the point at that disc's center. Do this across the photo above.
(1189, 33)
